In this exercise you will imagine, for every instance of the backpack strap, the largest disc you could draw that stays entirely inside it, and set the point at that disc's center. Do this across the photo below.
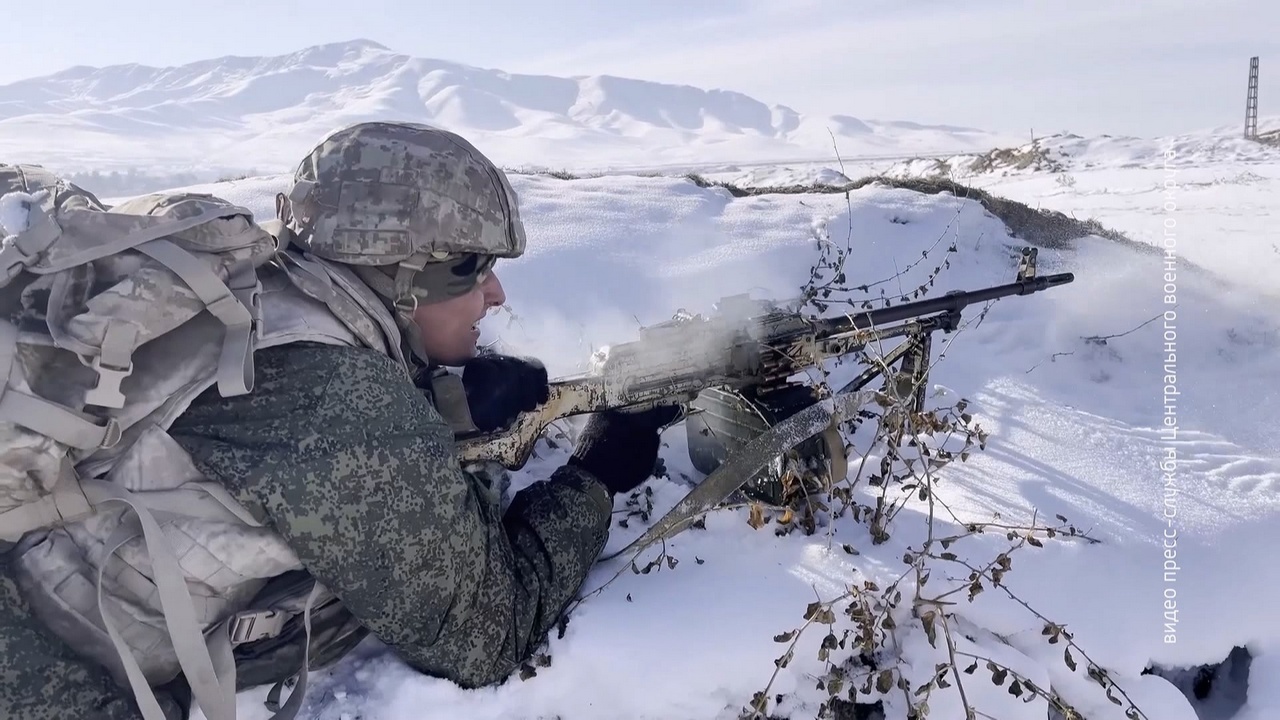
(236, 304)
(214, 687)
(67, 426)
(241, 629)
(208, 663)
(66, 503)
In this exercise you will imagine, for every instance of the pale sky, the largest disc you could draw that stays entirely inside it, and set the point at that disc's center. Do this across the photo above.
(1141, 67)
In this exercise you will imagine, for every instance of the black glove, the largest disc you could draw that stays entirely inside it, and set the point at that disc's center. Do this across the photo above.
(621, 448)
(500, 387)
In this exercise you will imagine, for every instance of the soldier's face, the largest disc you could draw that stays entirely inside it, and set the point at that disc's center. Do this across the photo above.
(450, 328)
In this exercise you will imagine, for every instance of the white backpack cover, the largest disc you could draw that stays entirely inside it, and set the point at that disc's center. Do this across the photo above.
(111, 321)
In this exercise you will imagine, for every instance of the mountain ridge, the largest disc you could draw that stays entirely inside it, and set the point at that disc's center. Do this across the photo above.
(235, 112)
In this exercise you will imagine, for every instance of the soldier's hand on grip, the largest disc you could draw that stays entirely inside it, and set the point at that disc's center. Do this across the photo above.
(620, 448)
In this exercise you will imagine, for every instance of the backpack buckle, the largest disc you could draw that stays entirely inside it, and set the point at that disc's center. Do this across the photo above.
(107, 392)
(254, 625)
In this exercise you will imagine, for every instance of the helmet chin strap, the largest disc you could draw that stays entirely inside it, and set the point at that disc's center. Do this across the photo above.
(446, 388)
(406, 304)
(405, 286)
(403, 302)
(404, 311)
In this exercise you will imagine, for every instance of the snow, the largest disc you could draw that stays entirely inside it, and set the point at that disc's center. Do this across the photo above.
(1072, 152)
(1075, 429)
(229, 116)
(15, 208)
(1225, 212)
(1075, 386)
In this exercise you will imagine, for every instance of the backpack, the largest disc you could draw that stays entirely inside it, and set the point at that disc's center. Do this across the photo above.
(104, 310)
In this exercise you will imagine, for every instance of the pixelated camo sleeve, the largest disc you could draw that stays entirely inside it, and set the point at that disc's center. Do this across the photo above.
(343, 455)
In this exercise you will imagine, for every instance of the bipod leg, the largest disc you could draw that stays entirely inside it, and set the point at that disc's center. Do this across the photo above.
(876, 369)
(746, 462)
(906, 387)
(914, 371)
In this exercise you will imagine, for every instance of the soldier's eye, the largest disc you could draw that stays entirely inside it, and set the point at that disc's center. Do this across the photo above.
(467, 266)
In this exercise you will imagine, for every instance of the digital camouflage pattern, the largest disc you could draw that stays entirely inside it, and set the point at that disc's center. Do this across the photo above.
(45, 680)
(76, 292)
(378, 193)
(142, 289)
(336, 449)
(353, 466)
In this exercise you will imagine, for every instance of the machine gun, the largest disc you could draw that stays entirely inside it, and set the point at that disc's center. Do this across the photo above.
(733, 370)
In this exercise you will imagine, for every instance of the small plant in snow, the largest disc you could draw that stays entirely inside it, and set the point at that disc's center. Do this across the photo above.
(865, 628)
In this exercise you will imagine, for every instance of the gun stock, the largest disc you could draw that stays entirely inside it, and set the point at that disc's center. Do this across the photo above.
(567, 397)
(512, 446)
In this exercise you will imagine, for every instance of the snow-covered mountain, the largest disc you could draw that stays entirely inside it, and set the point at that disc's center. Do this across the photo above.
(236, 115)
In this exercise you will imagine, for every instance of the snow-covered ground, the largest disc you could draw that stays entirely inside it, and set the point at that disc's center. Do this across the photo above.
(1226, 217)
(1075, 388)
(1221, 202)
(1177, 578)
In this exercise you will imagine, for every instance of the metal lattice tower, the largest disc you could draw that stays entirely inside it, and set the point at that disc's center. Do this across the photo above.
(1251, 102)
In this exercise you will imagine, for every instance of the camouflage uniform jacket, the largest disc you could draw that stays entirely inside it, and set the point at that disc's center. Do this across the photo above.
(352, 465)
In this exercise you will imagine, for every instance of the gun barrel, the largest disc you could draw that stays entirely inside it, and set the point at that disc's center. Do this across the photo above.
(953, 301)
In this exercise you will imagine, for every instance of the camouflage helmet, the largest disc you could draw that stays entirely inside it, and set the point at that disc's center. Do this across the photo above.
(32, 179)
(387, 193)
